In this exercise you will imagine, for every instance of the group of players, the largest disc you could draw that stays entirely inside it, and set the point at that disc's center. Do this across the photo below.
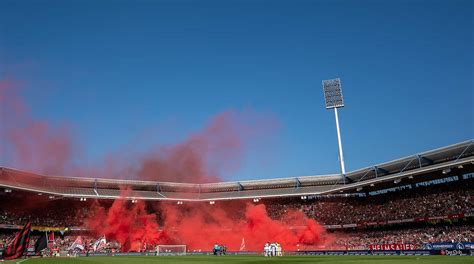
(272, 249)
(219, 249)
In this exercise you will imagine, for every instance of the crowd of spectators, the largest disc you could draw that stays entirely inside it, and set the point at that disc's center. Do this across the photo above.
(336, 211)
(51, 217)
(5, 239)
(362, 239)
(411, 204)
(431, 201)
(339, 211)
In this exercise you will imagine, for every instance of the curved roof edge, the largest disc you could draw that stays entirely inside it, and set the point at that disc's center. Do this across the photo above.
(451, 155)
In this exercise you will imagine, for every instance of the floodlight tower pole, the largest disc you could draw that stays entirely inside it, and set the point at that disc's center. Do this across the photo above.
(333, 99)
(341, 153)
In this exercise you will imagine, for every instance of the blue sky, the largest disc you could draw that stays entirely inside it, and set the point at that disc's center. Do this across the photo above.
(118, 70)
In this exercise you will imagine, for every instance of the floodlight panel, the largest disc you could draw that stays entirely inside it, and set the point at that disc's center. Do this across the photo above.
(333, 93)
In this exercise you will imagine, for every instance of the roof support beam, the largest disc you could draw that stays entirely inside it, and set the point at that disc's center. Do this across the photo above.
(95, 187)
(465, 149)
(406, 166)
(422, 159)
(298, 183)
(365, 174)
(378, 170)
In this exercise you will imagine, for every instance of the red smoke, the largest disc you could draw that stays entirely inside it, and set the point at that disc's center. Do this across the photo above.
(132, 226)
(199, 226)
(200, 158)
(196, 159)
(35, 145)
(29, 143)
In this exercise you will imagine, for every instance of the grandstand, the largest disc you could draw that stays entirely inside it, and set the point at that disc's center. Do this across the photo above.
(419, 201)
(456, 159)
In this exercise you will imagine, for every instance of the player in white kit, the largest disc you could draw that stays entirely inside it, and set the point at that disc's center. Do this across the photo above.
(272, 249)
(278, 249)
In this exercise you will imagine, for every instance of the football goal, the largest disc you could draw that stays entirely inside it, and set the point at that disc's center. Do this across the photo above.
(171, 250)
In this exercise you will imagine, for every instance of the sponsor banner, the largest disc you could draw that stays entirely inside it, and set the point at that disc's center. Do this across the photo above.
(372, 223)
(78, 229)
(355, 248)
(456, 216)
(311, 253)
(238, 253)
(129, 254)
(363, 252)
(392, 247)
(455, 252)
(118, 254)
(437, 218)
(358, 252)
(386, 252)
(46, 228)
(335, 253)
(132, 254)
(408, 220)
(349, 225)
(394, 221)
(3, 226)
(443, 217)
(416, 253)
(36, 228)
(333, 226)
(441, 246)
(469, 245)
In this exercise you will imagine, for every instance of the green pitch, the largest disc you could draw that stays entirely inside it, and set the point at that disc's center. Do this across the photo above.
(251, 260)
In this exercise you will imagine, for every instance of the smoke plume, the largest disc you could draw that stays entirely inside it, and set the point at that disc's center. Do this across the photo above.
(199, 226)
(29, 143)
(35, 145)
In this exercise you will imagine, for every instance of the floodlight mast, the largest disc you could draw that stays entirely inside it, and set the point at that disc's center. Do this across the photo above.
(334, 99)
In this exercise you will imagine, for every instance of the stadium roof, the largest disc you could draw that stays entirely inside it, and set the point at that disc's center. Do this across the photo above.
(437, 160)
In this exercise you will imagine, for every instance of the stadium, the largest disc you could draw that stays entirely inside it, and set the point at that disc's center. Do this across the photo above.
(158, 131)
(366, 213)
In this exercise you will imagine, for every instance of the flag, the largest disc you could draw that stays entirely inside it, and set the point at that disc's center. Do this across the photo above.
(78, 244)
(242, 245)
(19, 244)
(51, 239)
(41, 243)
(99, 244)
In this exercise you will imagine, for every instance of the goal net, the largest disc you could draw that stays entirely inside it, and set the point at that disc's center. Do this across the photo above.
(171, 250)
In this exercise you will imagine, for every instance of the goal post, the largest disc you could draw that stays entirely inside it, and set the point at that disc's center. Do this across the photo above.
(171, 250)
